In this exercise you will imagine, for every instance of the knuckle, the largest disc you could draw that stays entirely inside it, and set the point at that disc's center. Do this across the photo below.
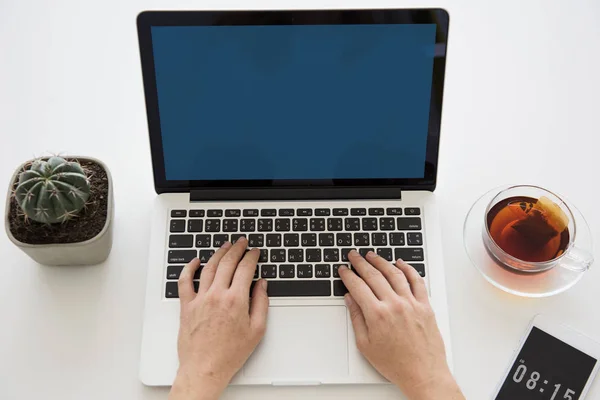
(372, 273)
(361, 342)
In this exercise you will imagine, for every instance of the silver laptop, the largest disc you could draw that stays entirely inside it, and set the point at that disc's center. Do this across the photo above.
(309, 132)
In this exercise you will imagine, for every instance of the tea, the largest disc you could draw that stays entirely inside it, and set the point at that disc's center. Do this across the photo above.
(534, 230)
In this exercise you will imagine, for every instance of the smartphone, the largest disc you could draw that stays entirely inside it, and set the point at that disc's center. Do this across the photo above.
(553, 362)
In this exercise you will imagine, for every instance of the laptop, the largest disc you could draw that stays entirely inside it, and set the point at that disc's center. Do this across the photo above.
(311, 133)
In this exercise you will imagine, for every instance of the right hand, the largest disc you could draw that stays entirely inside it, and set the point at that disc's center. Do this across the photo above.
(395, 327)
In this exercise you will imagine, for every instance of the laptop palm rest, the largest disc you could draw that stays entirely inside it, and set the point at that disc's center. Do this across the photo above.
(302, 345)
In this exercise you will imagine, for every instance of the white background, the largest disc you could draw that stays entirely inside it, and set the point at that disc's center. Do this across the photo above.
(521, 105)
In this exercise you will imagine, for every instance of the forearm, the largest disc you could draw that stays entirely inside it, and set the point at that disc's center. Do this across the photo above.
(189, 386)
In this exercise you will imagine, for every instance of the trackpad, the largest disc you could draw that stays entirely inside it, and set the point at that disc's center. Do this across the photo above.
(302, 344)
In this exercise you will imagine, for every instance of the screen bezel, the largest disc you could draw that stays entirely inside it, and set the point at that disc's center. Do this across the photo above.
(565, 334)
(147, 19)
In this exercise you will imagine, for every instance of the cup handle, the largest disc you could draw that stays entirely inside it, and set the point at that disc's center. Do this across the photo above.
(577, 260)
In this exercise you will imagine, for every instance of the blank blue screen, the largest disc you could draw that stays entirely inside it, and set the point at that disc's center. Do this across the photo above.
(294, 102)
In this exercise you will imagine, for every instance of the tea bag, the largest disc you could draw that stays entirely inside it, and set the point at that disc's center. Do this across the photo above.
(544, 221)
(554, 214)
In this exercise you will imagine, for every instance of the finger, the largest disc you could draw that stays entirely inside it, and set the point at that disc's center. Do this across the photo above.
(357, 317)
(259, 307)
(376, 281)
(185, 284)
(392, 274)
(210, 269)
(360, 291)
(229, 264)
(417, 284)
(245, 271)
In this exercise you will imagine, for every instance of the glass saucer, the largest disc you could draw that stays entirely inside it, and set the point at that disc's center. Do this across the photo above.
(541, 284)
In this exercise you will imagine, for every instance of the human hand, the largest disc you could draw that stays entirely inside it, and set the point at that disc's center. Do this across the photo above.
(220, 327)
(395, 327)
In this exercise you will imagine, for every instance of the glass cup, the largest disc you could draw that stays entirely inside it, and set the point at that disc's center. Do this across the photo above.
(569, 256)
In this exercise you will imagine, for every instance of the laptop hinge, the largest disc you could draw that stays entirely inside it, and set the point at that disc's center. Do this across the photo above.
(336, 193)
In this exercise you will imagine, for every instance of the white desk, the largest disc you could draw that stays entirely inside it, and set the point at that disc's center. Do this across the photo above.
(522, 83)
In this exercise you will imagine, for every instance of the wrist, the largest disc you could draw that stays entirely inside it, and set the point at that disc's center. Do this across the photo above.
(439, 386)
(192, 385)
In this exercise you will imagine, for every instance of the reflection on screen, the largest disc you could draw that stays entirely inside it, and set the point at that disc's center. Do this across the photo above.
(294, 102)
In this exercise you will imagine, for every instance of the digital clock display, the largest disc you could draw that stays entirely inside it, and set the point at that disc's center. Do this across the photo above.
(547, 369)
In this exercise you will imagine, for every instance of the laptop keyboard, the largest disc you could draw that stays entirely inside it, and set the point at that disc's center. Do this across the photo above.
(300, 249)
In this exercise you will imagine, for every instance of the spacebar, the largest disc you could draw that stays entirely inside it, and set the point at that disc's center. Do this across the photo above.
(299, 288)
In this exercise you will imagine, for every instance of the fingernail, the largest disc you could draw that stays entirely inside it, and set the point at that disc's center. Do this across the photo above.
(342, 267)
(226, 245)
(242, 239)
(264, 283)
(348, 300)
(370, 254)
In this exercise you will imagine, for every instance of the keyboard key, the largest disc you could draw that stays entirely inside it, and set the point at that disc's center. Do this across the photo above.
(343, 239)
(326, 239)
(352, 224)
(358, 211)
(268, 271)
(178, 213)
(361, 239)
(213, 225)
(264, 256)
(269, 212)
(196, 286)
(274, 240)
(291, 240)
(334, 224)
(304, 212)
(409, 223)
(322, 212)
(286, 271)
(295, 255)
(409, 254)
(196, 213)
(305, 271)
(205, 255)
(181, 256)
(233, 213)
(195, 225)
(173, 271)
(420, 269)
(376, 211)
(309, 239)
(317, 224)
(414, 239)
(397, 239)
(282, 224)
(340, 211)
(177, 225)
(265, 225)
(220, 239)
(252, 212)
(286, 212)
(295, 288)
(412, 211)
(236, 236)
(255, 273)
(345, 253)
(369, 224)
(331, 255)
(339, 289)
(379, 239)
(387, 224)
(363, 251)
(385, 253)
(256, 240)
(322, 271)
(214, 213)
(336, 267)
(313, 255)
(198, 271)
(202, 240)
(172, 290)
(247, 225)
(230, 225)
(300, 225)
(277, 255)
(181, 241)
(394, 211)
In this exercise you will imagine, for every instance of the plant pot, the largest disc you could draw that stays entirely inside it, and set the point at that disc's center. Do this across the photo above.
(88, 252)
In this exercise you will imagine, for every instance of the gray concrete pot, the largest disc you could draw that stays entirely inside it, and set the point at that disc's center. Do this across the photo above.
(92, 251)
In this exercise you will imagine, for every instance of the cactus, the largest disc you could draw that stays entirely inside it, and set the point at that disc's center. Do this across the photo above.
(52, 191)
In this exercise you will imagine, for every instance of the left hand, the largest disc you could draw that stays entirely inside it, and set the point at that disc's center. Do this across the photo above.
(220, 327)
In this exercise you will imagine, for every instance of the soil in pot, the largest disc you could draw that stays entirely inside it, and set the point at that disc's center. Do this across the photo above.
(87, 225)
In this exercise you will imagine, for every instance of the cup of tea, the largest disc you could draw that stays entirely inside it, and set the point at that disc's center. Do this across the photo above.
(530, 229)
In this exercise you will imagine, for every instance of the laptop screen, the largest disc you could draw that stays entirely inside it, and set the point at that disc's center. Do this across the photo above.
(284, 102)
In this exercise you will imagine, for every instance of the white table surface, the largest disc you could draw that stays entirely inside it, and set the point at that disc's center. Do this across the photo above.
(521, 106)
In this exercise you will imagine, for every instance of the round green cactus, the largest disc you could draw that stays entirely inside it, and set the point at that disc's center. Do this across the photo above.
(52, 191)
